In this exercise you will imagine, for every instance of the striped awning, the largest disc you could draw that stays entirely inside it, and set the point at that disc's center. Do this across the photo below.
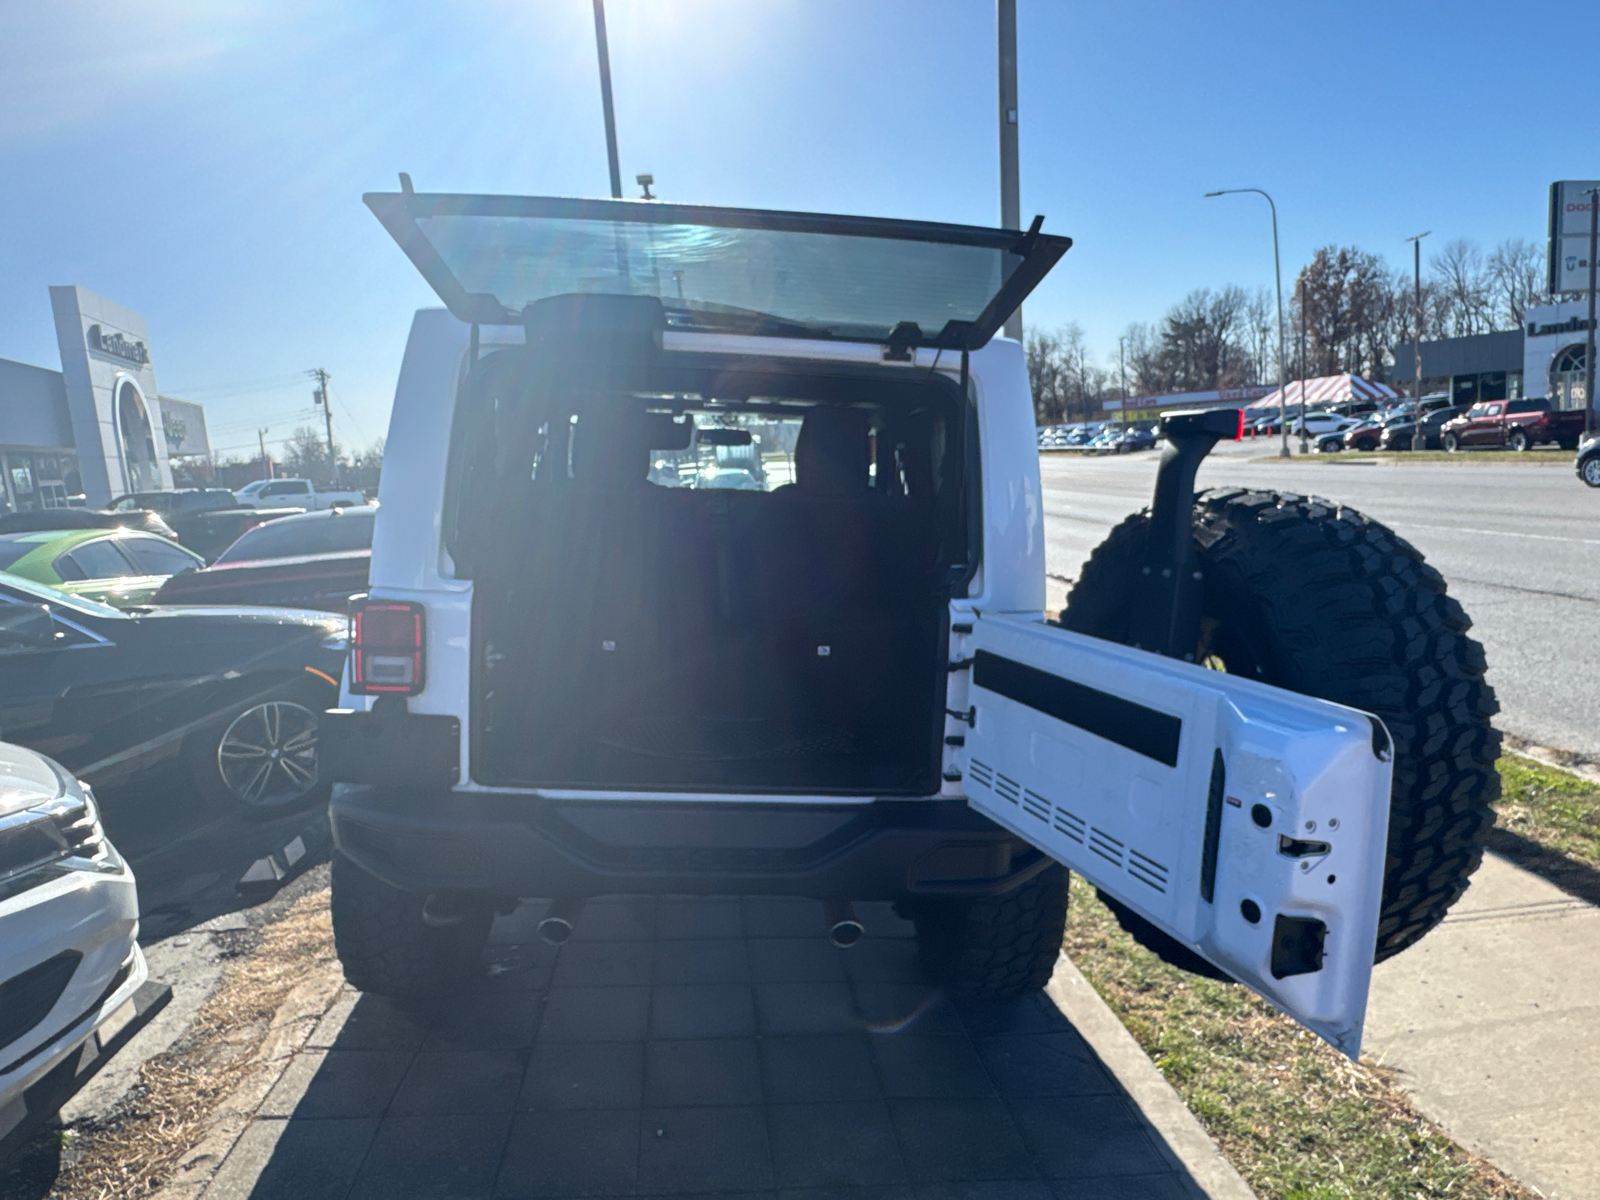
(1329, 389)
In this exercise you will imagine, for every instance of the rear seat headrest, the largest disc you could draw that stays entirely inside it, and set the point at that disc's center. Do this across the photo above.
(832, 453)
(614, 439)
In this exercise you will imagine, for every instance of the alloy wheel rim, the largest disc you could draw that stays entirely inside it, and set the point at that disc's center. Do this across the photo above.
(1591, 472)
(268, 756)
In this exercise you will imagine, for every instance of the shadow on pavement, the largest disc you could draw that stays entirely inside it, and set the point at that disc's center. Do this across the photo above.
(682, 1047)
(1572, 877)
(190, 859)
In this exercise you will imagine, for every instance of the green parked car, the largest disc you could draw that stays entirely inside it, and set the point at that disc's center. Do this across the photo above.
(120, 567)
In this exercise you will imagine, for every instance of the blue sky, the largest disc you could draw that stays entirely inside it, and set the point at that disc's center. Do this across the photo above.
(202, 161)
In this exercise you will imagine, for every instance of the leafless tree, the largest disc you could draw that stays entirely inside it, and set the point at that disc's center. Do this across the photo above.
(1517, 281)
(1464, 287)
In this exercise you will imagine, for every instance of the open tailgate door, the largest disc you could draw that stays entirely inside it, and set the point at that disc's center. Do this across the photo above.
(1247, 822)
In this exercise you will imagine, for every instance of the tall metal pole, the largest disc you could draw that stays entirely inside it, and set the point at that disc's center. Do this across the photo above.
(1010, 189)
(605, 97)
(1122, 371)
(1277, 275)
(1419, 440)
(1303, 447)
(1588, 346)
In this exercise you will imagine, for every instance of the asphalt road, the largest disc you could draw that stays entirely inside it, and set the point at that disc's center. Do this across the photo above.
(1519, 545)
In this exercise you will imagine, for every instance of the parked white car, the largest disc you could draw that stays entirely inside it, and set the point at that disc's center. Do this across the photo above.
(69, 921)
(290, 493)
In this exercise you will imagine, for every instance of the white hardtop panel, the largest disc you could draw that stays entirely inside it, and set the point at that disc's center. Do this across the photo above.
(1103, 757)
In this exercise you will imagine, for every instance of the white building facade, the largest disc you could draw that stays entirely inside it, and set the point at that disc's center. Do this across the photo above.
(1553, 353)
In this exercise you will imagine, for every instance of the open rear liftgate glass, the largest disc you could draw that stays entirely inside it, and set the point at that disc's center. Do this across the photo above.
(783, 274)
(1246, 821)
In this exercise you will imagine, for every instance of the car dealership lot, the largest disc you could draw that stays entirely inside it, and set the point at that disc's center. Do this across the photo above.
(1518, 543)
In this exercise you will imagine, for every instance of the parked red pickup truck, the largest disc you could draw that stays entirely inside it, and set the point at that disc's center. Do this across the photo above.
(1514, 424)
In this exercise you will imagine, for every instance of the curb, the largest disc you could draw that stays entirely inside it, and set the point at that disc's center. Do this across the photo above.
(292, 1026)
(1179, 1135)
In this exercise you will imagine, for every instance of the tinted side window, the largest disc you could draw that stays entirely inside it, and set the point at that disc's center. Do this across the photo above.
(156, 556)
(101, 560)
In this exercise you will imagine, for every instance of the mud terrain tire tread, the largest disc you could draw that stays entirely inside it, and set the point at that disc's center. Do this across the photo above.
(997, 948)
(1356, 616)
(387, 950)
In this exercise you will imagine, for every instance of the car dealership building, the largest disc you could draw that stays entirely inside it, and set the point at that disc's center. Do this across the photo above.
(98, 427)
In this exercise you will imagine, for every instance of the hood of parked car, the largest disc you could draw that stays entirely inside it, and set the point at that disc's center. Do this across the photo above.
(26, 779)
(245, 615)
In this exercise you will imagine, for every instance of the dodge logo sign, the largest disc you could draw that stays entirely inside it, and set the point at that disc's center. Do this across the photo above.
(117, 346)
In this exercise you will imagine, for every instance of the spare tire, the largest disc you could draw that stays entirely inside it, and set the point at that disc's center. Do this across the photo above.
(1311, 596)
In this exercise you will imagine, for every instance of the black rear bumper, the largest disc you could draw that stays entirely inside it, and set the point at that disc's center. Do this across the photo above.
(515, 845)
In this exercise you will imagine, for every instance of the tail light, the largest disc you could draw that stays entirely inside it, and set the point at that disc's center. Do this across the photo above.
(386, 648)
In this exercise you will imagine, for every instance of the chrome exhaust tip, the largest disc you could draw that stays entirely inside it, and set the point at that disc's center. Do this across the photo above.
(557, 926)
(844, 929)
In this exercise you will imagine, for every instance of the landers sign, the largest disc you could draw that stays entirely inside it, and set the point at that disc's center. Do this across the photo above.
(117, 346)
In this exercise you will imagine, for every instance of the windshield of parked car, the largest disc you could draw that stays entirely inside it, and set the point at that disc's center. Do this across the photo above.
(342, 530)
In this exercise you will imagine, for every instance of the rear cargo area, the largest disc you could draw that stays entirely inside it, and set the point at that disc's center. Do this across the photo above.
(709, 575)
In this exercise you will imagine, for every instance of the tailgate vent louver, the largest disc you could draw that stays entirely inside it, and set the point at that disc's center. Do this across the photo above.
(1035, 805)
(1007, 788)
(981, 773)
(1106, 846)
(1147, 870)
(1071, 824)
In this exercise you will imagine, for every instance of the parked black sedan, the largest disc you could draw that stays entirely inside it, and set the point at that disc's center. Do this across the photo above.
(1588, 461)
(232, 695)
(1397, 435)
(314, 560)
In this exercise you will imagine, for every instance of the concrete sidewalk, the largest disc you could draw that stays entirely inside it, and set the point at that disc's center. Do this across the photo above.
(720, 1046)
(1493, 1020)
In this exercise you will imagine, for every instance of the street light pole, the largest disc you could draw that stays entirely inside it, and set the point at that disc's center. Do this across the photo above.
(1588, 346)
(1419, 441)
(1122, 371)
(1277, 275)
(1304, 449)
(1010, 188)
(604, 52)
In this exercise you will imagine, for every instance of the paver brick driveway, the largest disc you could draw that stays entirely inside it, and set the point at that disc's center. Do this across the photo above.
(689, 1047)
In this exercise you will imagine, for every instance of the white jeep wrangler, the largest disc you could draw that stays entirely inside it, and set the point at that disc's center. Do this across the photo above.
(711, 560)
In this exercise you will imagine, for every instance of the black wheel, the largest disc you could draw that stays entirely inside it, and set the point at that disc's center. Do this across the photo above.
(1590, 472)
(997, 948)
(388, 949)
(1307, 595)
(1366, 444)
(1450, 442)
(1517, 440)
(1568, 443)
(263, 762)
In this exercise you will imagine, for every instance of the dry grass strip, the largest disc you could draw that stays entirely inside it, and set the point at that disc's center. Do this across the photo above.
(235, 1049)
(1297, 1119)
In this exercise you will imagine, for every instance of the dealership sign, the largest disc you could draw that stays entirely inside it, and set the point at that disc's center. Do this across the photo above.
(1569, 234)
(117, 346)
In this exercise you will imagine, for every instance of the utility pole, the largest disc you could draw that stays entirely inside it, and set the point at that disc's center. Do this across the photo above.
(1588, 346)
(320, 396)
(1418, 440)
(262, 435)
(1010, 191)
(605, 97)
